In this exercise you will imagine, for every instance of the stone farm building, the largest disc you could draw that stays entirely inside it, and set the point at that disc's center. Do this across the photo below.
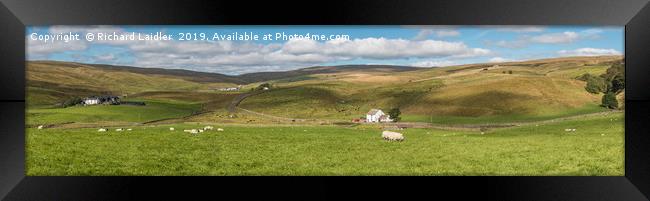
(95, 100)
(376, 115)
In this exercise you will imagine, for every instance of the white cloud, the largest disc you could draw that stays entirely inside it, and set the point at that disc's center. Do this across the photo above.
(105, 57)
(509, 44)
(588, 52)
(447, 33)
(564, 37)
(591, 33)
(547, 38)
(423, 34)
(39, 49)
(294, 53)
(382, 48)
(434, 63)
(438, 32)
(499, 60)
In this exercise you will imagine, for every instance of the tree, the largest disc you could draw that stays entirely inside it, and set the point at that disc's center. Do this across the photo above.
(611, 83)
(595, 85)
(618, 85)
(71, 102)
(261, 86)
(609, 101)
(394, 114)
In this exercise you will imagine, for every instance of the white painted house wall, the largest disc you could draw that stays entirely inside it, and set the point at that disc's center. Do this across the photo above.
(91, 101)
(374, 117)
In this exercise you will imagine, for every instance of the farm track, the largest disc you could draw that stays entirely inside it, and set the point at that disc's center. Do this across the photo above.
(232, 107)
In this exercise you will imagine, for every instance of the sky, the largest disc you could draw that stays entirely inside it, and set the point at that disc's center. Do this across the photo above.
(419, 46)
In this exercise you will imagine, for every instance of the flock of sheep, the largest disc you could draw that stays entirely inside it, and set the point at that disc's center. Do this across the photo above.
(117, 129)
(386, 135)
(193, 131)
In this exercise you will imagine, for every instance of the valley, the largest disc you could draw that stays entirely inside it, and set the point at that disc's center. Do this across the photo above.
(304, 120)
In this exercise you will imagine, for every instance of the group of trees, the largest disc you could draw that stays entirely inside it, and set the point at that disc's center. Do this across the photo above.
(262, 86)
(611, 83)
(394, 114)
(71, 102)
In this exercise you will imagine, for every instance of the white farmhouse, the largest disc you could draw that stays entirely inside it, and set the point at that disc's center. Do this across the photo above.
(376, 115)
(94, 100)
(91, 101)
(231, 88)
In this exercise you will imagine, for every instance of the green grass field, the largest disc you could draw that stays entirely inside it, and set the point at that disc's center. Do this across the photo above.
(153, 110)
(596, 148)
(496, 119)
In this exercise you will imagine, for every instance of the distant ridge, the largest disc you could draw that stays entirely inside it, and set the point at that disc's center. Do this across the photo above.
(264, 76)
(205, 77)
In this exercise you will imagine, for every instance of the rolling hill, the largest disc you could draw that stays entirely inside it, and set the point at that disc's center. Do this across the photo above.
(535, 89)
(50, 82)
(491, 92)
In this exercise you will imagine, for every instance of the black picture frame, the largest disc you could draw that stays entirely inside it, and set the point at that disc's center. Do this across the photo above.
(16, 14)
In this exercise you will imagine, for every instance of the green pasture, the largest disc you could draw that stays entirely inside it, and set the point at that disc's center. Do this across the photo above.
(153, 110)
(595, 148)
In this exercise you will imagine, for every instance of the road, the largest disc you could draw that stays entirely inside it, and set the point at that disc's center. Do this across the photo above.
(232, 107)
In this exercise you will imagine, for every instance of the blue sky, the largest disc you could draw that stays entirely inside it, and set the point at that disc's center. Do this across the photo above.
(422, 46)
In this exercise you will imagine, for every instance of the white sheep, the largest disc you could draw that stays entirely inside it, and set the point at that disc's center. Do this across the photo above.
(200, 130)
(171, 129)
(40, 127)
(392, 136)
(219, 129)
(119, 129)
(194, 131)
(208, 128)
(129, 129)
(101, 130)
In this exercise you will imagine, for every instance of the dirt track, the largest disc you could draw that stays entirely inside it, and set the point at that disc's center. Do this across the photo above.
(232, 107)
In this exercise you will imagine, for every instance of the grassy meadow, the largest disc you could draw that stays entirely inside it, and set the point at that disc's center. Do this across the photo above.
(302, 124)
(154, 110)
(595, 148)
